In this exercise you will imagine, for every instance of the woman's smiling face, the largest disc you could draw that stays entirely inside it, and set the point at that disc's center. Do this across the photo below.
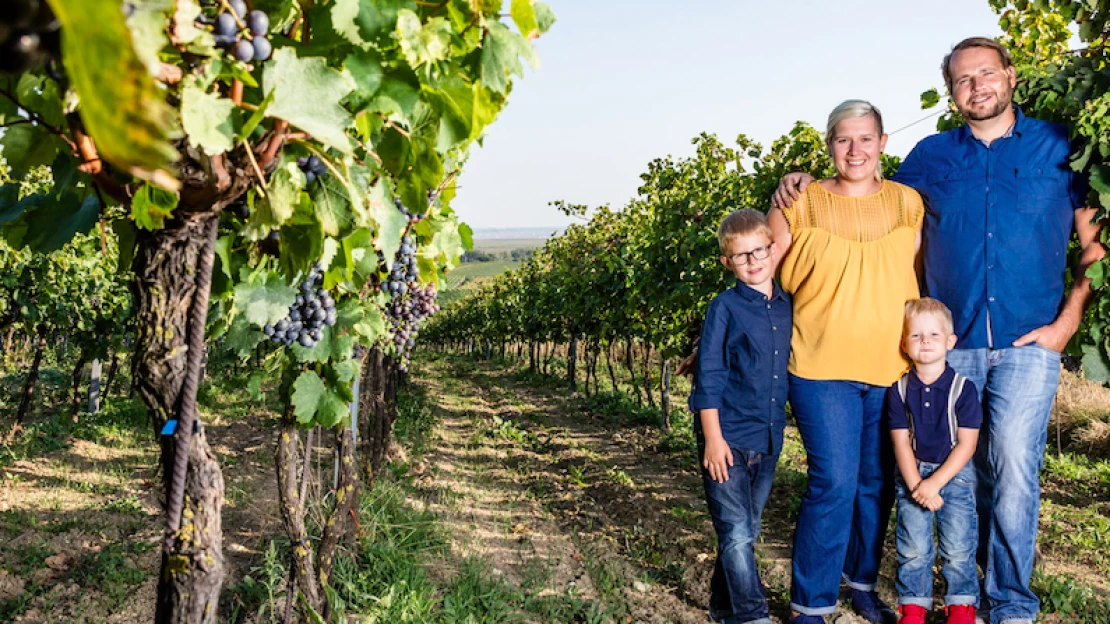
(855, 148)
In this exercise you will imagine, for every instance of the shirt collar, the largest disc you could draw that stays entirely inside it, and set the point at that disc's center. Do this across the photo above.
(751, 294)
(942, 382)
(1015, 128)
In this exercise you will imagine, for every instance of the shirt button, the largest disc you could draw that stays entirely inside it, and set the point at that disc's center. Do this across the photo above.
(772, 400)
(773, 328)
(776, 351)
(990, 266)
(926, 404)
(776, 376)
(991, 299)
(926, 389)
(990, 234)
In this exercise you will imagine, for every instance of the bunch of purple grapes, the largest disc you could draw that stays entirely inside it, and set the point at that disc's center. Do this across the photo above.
(30, 34)
(228, 32)
(311, 311)
(312, 167)
(405, 316)
(404, 272)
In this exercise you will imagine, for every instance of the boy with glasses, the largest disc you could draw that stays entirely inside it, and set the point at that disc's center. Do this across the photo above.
(739, 395)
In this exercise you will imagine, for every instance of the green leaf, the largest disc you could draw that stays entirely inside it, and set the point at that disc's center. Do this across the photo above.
(333, 206)
(333, 411)
(40, 94)
(389, 222)
(125, 231)
(1097, 273)
(300, 245)
(370, 326)
(423, 43)
(265, 299)
(501, 52)
(148, 31)
(398, 95)
(467, 236)
(282, 198)
(346, 371)
(525, 18)
(256, 117)
(151, 206)
(1095, 365)
(242, 337)
(929, 99)
(121, 108)
(545, 17)
(208, 120)
(10, 205)
(308, 394)
(53, 222)
(25, 146)
(365, 67)
(307, 94)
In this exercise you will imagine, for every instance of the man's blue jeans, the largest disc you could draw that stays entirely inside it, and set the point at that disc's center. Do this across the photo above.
(1017, 387)
(957, 531)
(845, 510)
(737, 595)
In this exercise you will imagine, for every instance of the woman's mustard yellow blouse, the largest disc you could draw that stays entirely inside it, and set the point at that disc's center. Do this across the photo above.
(850, 268)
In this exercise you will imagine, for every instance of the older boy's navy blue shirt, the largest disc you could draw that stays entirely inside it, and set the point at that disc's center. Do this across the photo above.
(741, 367)
(929, 405)
(997, 224)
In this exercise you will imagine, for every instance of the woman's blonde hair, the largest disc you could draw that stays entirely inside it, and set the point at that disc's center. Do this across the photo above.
(850, 109)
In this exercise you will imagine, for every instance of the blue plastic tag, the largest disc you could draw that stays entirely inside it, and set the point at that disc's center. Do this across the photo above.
(170, 427)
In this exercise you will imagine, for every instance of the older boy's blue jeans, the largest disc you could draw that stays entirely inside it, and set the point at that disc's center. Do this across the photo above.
(1017, 387)
(846, 507)
(736, 591)
(957, 531)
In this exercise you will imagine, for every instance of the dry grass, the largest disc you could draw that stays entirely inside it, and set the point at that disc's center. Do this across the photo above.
(1081, 417)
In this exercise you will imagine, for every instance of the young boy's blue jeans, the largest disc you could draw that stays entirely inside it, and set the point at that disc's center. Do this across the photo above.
(737, 595)
(957, 531)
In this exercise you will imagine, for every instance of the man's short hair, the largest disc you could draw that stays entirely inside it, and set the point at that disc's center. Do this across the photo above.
(928, 305)
(974, 42)
(741, 223)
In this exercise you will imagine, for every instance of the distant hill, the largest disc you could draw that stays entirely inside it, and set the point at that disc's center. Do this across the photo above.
(521, 233)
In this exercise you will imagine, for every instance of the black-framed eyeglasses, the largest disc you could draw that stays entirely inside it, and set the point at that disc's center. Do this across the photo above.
(759, 253)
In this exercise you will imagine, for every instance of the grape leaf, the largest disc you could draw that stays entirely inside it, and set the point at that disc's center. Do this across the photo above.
(151, 205)
(525, 18)
(423, 43)
(148, 31)
(242, 337)
(398, 95)
(264, 299)
(302, 242)
(40, 94)
(281, 199)
(115, 89)
(25, 146)
(389, 222)
(332, 411)
(1095, 365)
(333, 206)
(501, 52)
(49, 224)
(307, 397)
(307, 94)
(208, 120)
(365, 67)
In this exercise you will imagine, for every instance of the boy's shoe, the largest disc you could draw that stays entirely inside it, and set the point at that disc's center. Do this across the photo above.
(912, 614)
(868, 605)
(802, 618)
(960, 614)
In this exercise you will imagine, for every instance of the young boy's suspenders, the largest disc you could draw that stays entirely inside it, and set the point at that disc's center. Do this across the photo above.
(953, 396)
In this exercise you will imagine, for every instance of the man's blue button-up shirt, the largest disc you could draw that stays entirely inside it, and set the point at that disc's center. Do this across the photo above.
(997, 223)
(741, 366)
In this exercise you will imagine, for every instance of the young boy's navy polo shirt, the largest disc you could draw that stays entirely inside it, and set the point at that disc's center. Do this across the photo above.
(929, 405)
(741, 366)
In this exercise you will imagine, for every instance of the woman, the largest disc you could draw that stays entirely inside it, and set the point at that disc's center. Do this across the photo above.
(849, 245)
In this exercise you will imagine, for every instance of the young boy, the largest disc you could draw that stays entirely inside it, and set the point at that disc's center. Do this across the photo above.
(739, 393)
(934, 417)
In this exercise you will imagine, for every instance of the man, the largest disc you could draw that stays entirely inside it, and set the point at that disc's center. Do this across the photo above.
(1001, 202)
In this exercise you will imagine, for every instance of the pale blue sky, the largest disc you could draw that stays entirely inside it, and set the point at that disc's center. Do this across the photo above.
(624, 82)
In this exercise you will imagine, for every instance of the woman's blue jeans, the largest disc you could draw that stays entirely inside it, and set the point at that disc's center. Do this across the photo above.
(737, 595)
(1017, 386)
(957, 531)
(845, 510)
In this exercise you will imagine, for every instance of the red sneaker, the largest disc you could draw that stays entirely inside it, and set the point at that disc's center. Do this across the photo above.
(914, 614)
(960, 614)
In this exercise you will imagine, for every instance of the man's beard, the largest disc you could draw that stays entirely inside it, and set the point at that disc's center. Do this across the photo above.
(1003, 101)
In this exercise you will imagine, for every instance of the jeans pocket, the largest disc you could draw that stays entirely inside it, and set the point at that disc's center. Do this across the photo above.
(1040, 346)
